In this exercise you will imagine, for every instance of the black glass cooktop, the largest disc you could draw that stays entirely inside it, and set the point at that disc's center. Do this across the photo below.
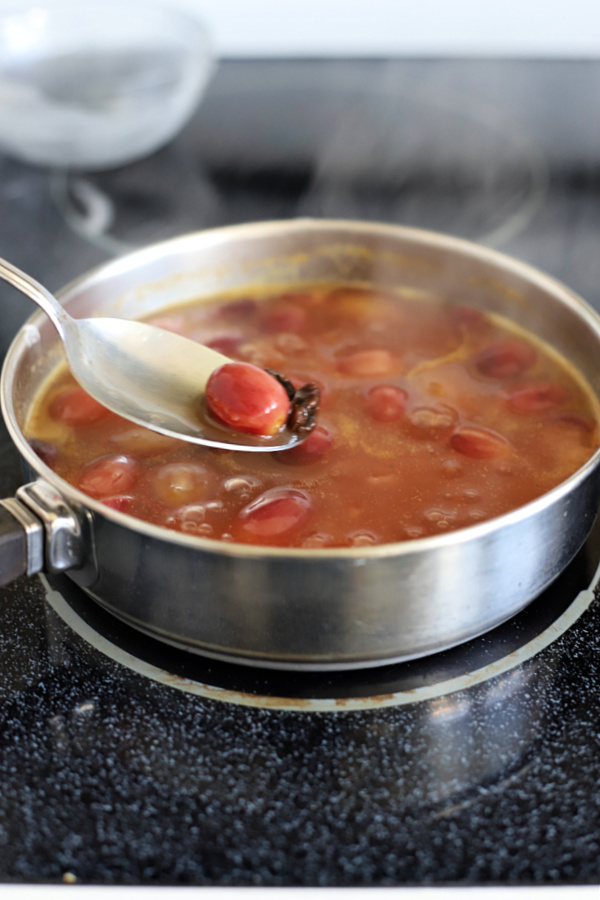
(126, 762)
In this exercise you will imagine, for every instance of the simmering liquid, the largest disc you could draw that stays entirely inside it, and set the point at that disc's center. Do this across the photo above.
(433, 417)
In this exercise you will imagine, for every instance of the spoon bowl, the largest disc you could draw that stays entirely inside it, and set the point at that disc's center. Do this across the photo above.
(146, 374)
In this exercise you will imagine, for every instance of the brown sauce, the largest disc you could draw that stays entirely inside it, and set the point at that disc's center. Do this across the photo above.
(433, 417)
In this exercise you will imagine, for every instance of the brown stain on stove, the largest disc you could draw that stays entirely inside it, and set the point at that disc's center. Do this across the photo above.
(341, 704)
(263, 701)
(374, 701)
(239, 697)
(297, 703)
(300, 704)
(351, 703)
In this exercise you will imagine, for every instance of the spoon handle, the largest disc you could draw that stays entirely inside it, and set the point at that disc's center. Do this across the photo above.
(36, 292)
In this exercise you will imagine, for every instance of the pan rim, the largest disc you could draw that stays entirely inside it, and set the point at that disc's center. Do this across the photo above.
(256, 230)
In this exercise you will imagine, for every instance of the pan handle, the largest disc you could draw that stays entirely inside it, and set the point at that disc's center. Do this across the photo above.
(40, 531)
(21, 541)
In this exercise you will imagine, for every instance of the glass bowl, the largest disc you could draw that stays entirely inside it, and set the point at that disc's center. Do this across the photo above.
(97, 85)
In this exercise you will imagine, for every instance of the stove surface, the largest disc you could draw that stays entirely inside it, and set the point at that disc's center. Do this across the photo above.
(123, 761)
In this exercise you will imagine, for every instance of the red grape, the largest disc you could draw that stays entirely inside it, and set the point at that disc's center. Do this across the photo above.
(178, 483)
(385, 403)
(227, 344)
(120, 502)
(505, 358)
(273, 514)
(285, 317)
(572, 420)
(247, 398)
(48, 453)
(536, 396)
(310, 450)
(364, 363)
(108, 475)
(468, 317)
(76, 407)
(478, 443)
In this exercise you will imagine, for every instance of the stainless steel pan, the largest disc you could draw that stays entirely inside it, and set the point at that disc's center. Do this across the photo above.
(300, 608)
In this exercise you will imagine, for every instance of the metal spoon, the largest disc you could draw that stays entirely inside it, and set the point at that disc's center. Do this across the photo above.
(146, 374)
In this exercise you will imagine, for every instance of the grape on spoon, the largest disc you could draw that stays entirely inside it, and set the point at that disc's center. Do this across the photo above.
(159, 379)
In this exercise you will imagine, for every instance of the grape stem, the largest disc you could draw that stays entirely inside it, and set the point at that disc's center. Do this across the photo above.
(304, 401)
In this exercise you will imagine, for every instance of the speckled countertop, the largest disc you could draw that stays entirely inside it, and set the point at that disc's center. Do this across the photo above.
(479, 767)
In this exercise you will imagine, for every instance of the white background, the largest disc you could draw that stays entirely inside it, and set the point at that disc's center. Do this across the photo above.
(541, 28)
(272, 28)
